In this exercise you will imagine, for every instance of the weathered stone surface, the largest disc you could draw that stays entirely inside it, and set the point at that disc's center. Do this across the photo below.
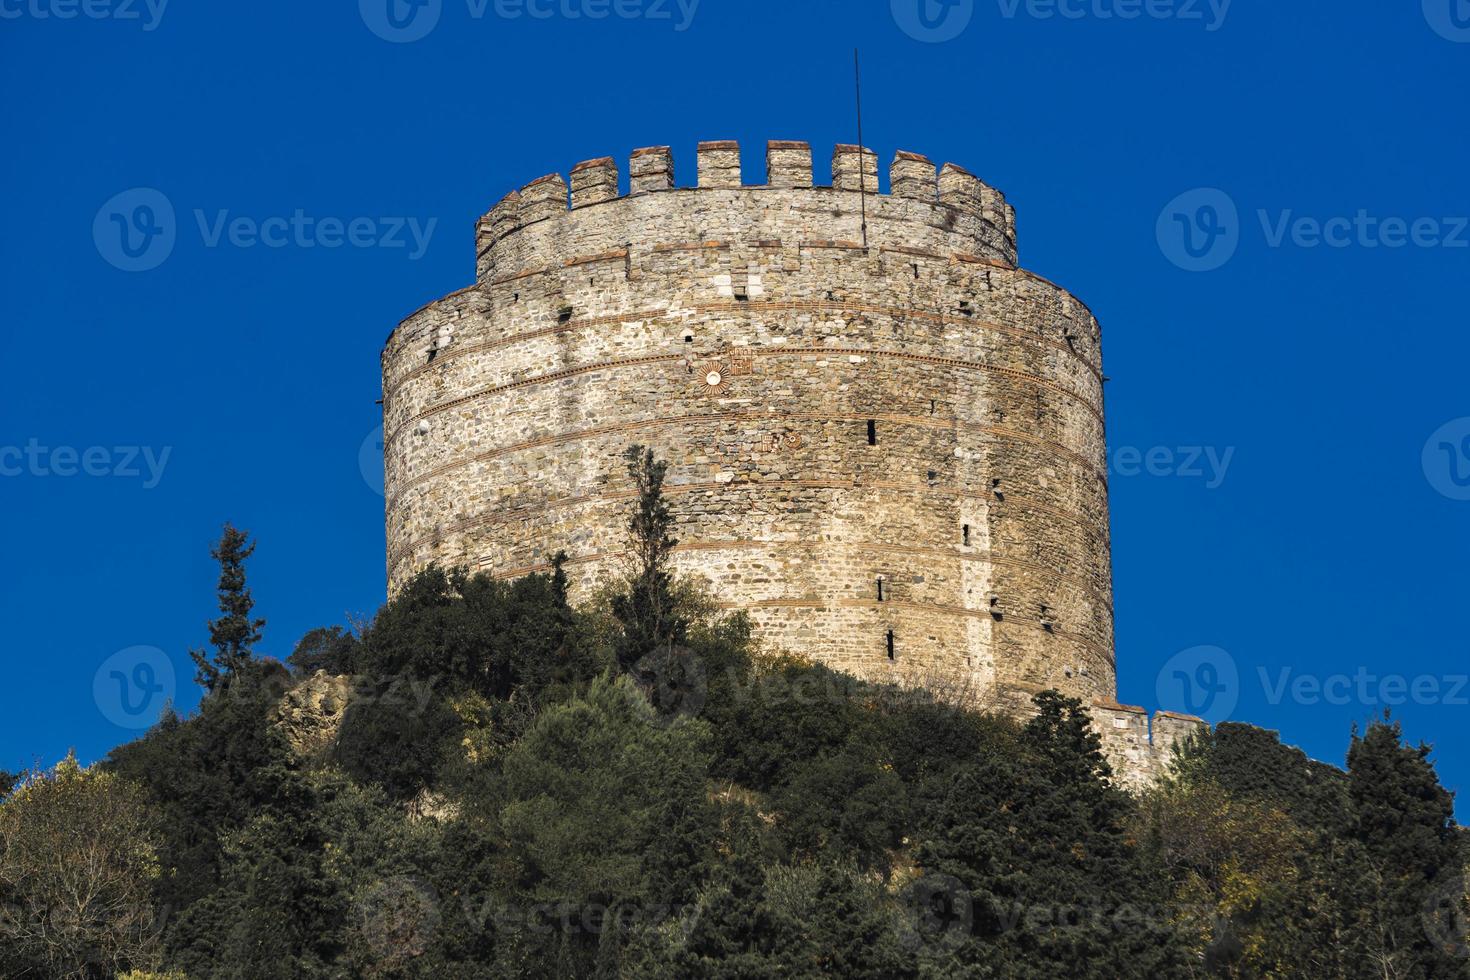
(1138, 755)
(746, 336)
(310, 714)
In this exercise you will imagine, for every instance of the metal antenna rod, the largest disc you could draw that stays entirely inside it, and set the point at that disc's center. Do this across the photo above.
(862, 160)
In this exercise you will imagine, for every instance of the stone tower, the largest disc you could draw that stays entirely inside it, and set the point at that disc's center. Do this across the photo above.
(892, 457)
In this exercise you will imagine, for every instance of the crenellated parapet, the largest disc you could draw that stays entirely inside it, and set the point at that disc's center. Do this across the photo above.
(968, 216)
(1139, 753)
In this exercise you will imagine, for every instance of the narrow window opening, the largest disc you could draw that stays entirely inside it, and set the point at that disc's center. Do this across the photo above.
(995, 489)
(916, 270)
(933, 406)
(872, 432)
(433, 353)
(890, 645)
(880, 588)
(565, 315)
(965, 533)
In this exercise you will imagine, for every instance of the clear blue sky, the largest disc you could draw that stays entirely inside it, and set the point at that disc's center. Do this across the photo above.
(1323, 371)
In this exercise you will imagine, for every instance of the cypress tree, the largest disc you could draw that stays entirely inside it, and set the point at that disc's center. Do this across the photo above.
(648, 610)
(234, 634)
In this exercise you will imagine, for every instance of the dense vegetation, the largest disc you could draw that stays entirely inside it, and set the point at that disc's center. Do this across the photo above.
(518, 788)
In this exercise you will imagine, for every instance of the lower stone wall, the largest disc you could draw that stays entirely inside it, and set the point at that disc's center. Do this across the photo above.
(1139, 754)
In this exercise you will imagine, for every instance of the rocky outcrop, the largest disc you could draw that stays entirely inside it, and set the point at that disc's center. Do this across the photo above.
(310, 714)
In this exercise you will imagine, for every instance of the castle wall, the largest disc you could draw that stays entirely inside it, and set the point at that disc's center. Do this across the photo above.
(745, 334)
(1140, 755)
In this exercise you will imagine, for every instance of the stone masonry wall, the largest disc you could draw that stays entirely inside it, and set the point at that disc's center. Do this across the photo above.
(920, 413)
(1140, 755)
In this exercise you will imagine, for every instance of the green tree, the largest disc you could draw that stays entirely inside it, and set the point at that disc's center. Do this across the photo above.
(605, 812)
(234, 634)
(209, 775)
(1403, 822)
(78, 858)
(1040, 878)
(331, 649)
(648, 610)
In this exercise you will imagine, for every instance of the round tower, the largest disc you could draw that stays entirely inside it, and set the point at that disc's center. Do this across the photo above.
(890, 455)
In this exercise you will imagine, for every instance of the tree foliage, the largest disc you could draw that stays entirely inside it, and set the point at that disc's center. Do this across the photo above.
(514, 787)
(234, 634)
(78, 863)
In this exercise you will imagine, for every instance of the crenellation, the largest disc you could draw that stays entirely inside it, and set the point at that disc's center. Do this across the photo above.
(651, 169)
(594, 181)
(1140, 755)
(854, 169)
(544, 197)
(788, 164)
(961, 190)
(719, 164)
(913, 176)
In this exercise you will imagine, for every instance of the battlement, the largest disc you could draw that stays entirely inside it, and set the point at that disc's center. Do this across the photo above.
(955, 198)
(1140, 753)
